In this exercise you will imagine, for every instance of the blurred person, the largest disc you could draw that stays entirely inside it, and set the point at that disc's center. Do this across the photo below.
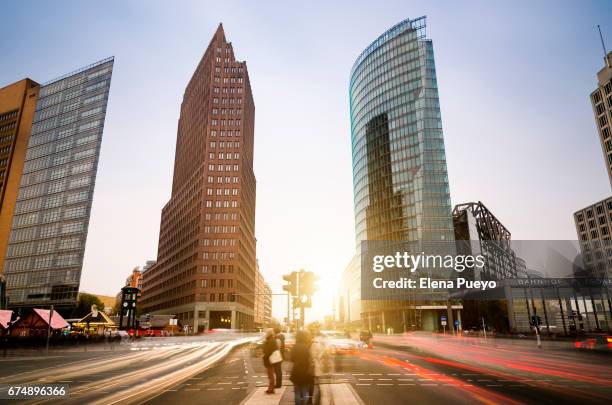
(269, 348)
(366, 337)
(302, 371)
(317, 351)
(278, 367)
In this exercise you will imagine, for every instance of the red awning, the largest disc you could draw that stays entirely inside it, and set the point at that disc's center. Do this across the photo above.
(5, 317)
(57, 322)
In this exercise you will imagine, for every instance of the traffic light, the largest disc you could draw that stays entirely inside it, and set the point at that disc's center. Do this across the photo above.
(536, 320)
(292, 283)
(307, 283)
(301, 286)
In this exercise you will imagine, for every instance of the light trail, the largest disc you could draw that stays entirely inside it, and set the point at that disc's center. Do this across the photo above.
(479, 394)
(131, 376)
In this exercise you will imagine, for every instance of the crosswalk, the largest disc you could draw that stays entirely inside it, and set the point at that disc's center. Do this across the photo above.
(259, 397)
(336, 394)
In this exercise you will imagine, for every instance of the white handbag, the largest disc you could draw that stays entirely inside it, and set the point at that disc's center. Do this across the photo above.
(275, 357)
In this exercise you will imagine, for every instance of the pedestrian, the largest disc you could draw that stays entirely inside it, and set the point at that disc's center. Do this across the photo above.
(270, 357)
(278, 367)
(301, 373)
(317, 350)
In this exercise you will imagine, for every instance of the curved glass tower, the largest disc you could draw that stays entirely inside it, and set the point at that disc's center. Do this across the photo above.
(400, 180)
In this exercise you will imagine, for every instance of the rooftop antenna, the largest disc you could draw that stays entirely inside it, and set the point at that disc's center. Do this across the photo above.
(603, 45)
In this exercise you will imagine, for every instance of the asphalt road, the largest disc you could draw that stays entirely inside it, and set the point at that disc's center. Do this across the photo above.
(441, 369)
(425, 369)
(131, 374)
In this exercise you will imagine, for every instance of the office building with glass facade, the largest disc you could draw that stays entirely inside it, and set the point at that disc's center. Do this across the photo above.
(400, 177)
(46, 245)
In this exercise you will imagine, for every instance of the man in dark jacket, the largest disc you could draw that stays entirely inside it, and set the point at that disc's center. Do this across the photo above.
(278, 367)
(301, 373)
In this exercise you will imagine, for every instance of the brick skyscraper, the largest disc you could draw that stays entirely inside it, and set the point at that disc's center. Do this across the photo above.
(17, 107)
(206, 263)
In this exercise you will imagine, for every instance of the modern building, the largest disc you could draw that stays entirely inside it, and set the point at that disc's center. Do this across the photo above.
(400, 180)
(44, 256)
(135, 278)
(594, 222)
(349, 294)
(601, 100)
(594, 229)
(267, 312)
(17, 106)
(206, 261)
(258, 310)
(479, 232)
(262, 312)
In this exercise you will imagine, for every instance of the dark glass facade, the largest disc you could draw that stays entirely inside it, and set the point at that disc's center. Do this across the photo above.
(400, 180)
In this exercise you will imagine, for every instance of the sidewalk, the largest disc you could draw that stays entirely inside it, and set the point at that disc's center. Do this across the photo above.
(331, 394)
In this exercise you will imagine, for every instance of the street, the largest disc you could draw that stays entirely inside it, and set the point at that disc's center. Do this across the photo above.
(133, 373)
(412, 368)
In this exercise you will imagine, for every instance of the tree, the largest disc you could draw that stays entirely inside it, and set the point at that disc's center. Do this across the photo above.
(116, 307)
(84, 303)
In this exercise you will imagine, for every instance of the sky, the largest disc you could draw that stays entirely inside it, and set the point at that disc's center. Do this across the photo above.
(514, 81)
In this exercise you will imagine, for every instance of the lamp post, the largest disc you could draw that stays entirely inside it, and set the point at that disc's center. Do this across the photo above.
(49, 330)
(3, 301)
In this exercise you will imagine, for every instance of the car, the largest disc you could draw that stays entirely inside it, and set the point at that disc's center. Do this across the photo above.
(337, 343)
(594, 342)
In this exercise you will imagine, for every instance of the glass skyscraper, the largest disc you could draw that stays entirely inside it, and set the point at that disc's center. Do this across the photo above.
(49, 228)
(399, 164)
(400, 177)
